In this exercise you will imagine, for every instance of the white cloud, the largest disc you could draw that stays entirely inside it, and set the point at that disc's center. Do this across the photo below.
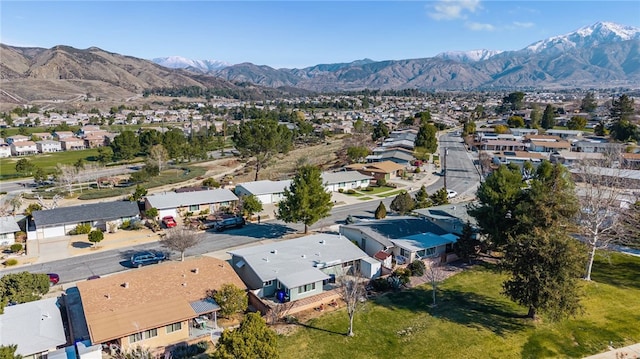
(476, 26)
(453, 9)
(525, 25)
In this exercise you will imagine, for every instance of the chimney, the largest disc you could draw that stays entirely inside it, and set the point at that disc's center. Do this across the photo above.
(274, 251)
(107, 296)
(184, 284)
(195, 271)
(125, 285)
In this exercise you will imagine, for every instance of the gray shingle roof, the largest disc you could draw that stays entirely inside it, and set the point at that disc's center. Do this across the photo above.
(343, 176)
(175, 200)
(388, 229)
(85, 213)
(265, 187)
(8, 225)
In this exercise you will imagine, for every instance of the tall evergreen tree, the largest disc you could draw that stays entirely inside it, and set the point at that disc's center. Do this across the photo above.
(306, 200)
(467, 245)
(588, 103)
(125, 146)
(548, 117)
(426, 137)
(262, 139)
(253, 339)
(381, 211)
(422, 199)
(380, 130)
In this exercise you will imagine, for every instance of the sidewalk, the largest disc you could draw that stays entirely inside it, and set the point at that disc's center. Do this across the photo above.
(629, 352)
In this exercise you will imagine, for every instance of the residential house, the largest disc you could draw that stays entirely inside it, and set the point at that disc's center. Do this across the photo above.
(450, 217)
(43, 136)
(345, 180)
(266, 191)
(523, 131)
(178, 204)
(5, 150)
(17, 138)
(406, 238)
(156, 306)
(518, 157)
(60, 135)
(629, 178)
(570, 158)
(46, 146)
(46, 224)
(399, 156)
(94, 140)
(546, 143)
(596, 145)
(631, 160)
(386, 170)
(72, 144)
(299, 268)
(88, 129)
(501, 145)
(35, 327)
(565, 134)
(8, 229)
(23, 148)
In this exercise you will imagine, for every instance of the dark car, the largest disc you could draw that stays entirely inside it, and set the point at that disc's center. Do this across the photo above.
(233, 222)
(53, 278)
(147, 257)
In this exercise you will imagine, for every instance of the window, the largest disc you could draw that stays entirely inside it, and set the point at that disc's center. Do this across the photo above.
(174, 327)
(194, 207)
(268, 283)
(135, 338)
(306, 288)
(150, 333)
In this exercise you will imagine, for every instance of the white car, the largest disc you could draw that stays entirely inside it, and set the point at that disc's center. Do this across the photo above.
(451, 193)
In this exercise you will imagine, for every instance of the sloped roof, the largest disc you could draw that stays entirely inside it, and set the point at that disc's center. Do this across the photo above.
(85, 213)
(343, 176)
(448, 212)
(427, 240)
(298, 260)
(175, 200)
(155, 296)
(265, 186)
(386, 230)
(8, 225)
(34, 326)
(384, 166)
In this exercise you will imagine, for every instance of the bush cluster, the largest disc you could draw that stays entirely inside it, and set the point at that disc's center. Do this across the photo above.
(10, 262)
(351, 191)
(189, 351)
(16, 247)
(417, 268)
(81, 229)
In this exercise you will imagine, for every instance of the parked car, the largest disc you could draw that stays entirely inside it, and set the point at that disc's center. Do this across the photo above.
(451, 193)
(169, 221)
(147, 257)
(233, 222)
(53, 278)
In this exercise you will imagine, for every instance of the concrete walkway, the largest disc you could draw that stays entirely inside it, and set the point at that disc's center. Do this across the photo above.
(630, 352)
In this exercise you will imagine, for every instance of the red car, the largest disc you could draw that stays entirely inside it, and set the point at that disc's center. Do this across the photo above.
(53, 278)
(168, 221)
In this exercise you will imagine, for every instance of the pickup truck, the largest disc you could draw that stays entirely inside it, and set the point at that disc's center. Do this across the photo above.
(233, 222)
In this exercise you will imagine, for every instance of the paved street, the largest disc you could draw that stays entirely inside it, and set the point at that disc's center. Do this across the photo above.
(74, 260)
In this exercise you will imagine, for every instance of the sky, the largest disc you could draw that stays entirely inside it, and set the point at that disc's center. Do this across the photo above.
(297, 34)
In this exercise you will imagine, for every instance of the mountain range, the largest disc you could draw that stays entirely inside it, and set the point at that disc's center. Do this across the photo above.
(597, 56)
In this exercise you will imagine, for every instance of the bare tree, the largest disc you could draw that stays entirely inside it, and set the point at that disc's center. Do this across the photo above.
(158, 156)
(52, 205)
(278, 311)
(15, 202)
(599, 192)
(66, 176)
(352, 292)
(180, 239)
(434, 274)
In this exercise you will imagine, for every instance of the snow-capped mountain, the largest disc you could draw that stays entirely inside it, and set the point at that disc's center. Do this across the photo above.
(179, 62)
(468, 56)
(585, 37)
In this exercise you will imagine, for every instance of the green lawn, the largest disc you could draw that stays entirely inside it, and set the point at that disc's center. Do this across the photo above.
(47, 161)
(473, 320)
(392, 193)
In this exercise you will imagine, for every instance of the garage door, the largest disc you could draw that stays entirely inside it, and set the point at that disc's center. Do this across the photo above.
(53, 232)
(167, 212)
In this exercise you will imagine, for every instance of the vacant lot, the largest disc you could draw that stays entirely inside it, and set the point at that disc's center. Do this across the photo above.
(472, 320)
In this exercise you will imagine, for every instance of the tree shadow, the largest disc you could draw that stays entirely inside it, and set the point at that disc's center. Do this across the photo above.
(619, 273)
(321, 329)
(81, 245)
(466, 308)
(264, 230)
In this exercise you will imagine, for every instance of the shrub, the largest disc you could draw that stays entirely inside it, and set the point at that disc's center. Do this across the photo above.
(351, 191)
(380, 284)
(81, 229)
(391, 185)
(381, 182)
(136, 225)
(126, 224)
(341, 190)
(402, 274)
(16, 247)
(417, 170)
(189, 351)
(11, 262)
(417, 268)
(368, 189)
(96, 236)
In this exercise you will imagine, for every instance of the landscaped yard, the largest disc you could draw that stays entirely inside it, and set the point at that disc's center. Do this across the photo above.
(472, 320)
(47, 161)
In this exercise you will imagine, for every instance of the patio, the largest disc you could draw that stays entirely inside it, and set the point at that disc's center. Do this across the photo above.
(204, 326)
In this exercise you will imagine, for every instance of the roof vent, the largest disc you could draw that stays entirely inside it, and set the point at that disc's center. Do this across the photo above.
(304, 256)
(322, 241)
(125, 285)
(195, 271)
(265, 259)
(184, 284)
(107, 296)
(274, 251)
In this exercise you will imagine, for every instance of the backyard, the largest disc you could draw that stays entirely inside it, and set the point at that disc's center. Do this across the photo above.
(473, 320)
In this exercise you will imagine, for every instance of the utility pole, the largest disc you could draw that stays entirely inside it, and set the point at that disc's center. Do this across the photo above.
(444, 167)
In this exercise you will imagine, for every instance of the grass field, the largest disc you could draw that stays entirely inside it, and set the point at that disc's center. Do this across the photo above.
(47, 161)
(473, 320)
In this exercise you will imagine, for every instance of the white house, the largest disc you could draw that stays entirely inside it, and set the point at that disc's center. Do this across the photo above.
(266, 191)
(35, 327)
(175, 204)
(8, 229)
(345, 180)
(5, 150)
(60, 221)
(48, 146)
(23, 148)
